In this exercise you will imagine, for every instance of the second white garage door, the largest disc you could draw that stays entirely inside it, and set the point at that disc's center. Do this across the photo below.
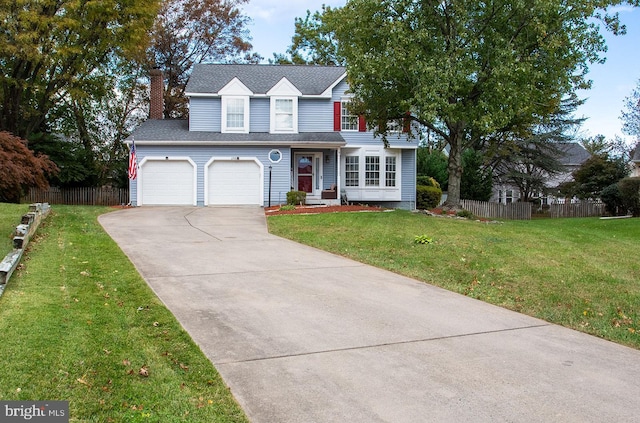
(234, 182)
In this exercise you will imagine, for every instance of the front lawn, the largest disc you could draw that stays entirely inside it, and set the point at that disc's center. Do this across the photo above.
(580, 273)
(78, 323)
(10, 217)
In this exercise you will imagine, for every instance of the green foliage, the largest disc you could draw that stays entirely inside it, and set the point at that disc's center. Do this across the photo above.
(466, 69)
(477, 180)
(295, 198)
(612, 199)
(631, 113)
(312, 44)
(53, 53)
(427, 181)
(427, 197)
(466, 214)
(594, 175)
(422, 239)
(630, 193)
(433, 163)
(287, 207)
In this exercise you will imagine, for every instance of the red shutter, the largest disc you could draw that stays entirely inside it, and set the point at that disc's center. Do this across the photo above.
(362, 124)
(337, 126)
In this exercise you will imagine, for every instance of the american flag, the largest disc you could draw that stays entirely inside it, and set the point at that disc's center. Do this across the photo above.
(133, 162)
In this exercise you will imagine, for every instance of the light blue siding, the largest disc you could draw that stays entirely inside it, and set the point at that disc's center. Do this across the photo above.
(409, 176)
(205, 114)
(259, 115)
(315, 115)
(280, 172)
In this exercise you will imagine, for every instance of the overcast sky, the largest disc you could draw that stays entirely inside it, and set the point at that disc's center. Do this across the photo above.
(273, 27)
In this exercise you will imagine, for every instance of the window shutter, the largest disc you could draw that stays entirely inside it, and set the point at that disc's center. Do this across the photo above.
(362, 124)
(336, 116)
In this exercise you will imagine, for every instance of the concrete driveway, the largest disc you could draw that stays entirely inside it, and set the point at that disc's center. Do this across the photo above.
(301, 335)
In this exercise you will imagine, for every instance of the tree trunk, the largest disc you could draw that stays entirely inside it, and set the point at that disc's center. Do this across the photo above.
(454, 166)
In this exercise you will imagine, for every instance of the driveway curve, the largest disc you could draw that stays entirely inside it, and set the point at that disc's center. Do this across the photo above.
(302, 335)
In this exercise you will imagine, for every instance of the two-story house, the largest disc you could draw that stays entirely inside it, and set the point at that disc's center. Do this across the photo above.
(256, 132)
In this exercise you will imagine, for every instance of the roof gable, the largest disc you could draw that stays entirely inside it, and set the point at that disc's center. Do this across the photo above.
(284, 88)
(313, 81)
(235, 87)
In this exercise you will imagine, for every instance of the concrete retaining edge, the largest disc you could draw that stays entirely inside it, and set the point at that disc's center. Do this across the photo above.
(23, 233)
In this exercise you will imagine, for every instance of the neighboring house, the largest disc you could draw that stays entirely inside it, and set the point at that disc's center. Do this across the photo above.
(635, 160)
(256, 132)
(573, 155)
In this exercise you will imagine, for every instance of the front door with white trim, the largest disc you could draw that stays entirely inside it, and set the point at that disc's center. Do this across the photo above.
(308, 173)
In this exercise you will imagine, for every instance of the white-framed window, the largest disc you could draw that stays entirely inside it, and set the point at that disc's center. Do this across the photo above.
(390, 171)
(275, 156)
(352, 171)
(348, 121)
(372, 171)
(284, 114)
(235, 114)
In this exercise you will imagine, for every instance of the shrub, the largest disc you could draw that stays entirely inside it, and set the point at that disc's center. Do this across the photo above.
(427, 197)
(612, 199)
(287, 207)
(466, 214)
(630, 193)
(427, 181)
(295, 198)
(423, 239)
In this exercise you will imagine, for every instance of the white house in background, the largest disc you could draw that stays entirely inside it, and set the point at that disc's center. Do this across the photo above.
(573, 155)
(256, 132)
(635, 160)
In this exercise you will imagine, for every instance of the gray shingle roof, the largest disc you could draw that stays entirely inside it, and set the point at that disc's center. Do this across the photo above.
(574, 154)
(636, 153)
(310, 80)
(175, 131)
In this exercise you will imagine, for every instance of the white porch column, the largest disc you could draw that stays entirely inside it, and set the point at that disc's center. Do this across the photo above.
(338, 173)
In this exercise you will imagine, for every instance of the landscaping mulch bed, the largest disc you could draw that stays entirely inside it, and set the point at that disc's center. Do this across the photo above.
(275, 210)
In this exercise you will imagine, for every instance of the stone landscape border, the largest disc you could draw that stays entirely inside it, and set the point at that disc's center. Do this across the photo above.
(23, 233)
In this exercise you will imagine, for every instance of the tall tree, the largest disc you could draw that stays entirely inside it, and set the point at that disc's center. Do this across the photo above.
(51, 49)
(466, 69)
(528, 157)
(631, 113)
(187, 32)
(313, 43)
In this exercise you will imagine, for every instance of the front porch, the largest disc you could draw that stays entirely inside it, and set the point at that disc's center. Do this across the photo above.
(317, 173)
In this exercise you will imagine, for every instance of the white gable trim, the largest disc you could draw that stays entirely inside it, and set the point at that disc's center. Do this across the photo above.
(329, 91)
(235, 87)
(284, 88)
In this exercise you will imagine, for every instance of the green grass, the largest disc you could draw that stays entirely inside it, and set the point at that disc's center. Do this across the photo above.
(77, 323)
(580, 273)
(10, 216)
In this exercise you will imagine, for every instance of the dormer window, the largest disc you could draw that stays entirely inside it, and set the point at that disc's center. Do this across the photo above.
(235, 107)
(284, 116)
(284, 107)
(235, 114)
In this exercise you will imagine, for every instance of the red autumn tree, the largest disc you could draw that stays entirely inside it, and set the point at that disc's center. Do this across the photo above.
(20, 168)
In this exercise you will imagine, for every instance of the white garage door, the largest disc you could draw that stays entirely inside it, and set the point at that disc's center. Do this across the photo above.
(234, 182)
(167, 182)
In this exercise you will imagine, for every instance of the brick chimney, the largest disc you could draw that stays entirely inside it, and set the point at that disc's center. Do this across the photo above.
(156, 108)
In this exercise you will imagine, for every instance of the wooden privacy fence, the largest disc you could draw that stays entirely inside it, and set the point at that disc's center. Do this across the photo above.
(582, 209)
(512, 211)
(83, 196)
